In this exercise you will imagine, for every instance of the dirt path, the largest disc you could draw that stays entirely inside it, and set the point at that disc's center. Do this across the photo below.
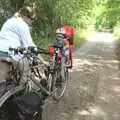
(94, 87)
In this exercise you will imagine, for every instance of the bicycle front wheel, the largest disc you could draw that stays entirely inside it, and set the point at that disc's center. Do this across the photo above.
(61, 82)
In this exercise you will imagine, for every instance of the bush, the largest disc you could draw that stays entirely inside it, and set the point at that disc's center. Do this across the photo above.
(82, 35)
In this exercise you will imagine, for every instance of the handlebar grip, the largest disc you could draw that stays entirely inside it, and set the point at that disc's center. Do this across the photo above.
(16, 50)
(11, 49)
(31, 48)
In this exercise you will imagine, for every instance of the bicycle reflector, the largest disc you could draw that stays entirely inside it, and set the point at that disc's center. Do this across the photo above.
(51, 50)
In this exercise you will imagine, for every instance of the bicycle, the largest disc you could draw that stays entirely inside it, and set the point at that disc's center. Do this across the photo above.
(15, 80)
(57, 72)
(31, 55)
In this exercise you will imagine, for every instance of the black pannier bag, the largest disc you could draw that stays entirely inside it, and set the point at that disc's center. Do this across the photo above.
(29, 105)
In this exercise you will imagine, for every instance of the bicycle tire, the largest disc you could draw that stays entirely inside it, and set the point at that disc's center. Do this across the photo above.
(57, 96)
(6, 113)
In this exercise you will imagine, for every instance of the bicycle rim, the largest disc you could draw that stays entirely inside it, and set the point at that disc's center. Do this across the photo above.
(50, 82)
(63, 85)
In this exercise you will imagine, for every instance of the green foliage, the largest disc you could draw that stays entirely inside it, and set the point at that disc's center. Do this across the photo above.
(44, 27)
(82, 14)
(16, 5)
(110, 13)
(80, 36)
(75, 12)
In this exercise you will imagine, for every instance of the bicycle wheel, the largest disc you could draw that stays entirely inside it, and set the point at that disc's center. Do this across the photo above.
(61, 82)
(6, 113)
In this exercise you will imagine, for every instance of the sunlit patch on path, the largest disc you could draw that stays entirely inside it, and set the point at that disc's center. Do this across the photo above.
(102, 37)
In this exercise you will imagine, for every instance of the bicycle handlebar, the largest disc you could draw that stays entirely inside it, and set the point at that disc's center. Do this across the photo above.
(30, 49)
(16, 50)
